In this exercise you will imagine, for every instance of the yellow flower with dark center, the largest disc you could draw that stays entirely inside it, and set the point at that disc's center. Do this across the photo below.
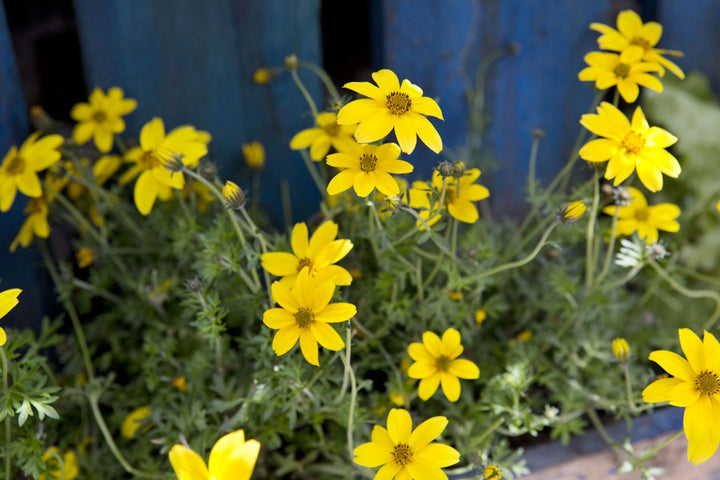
(325, 134)
(184, 144)
(436, 364)
(319, 255)
(254, 154)
(8, 301)
(35, 225)
(134, 420)
(367, 167)
(633, 32)
(85, 257)
(392, 106)
(100, 119)
(644, 219)
(695, 385)
(404, 453)
(19, 168)
(460, 192)
(305, 313)
(573, 211)
(629, 146)
(620, 349)
(625, 70)
(231, 458)
(69, 468)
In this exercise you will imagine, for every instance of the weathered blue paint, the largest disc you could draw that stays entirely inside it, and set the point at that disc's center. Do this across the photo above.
(193, 63)
(537, 88)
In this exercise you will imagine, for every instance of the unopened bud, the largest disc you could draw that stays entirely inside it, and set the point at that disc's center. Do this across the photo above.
(194, 284)
(492, 472)
(208, 171)
(573, 211)
(446, 169)
(234, 196)
(291, 62)
(263, 76)
(621, 349)
(458, 169)
(659, 251)
(175, 162)
(538, 133)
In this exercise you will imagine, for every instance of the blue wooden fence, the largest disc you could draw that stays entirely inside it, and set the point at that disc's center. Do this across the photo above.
(192, 63)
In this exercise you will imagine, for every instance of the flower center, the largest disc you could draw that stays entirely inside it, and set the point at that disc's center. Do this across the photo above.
(368, 162)
(99, 116)
(332, 129)
(443, 362)
(305, 262)
(449, 196)
(398, 103)
(633, 141)
(304, 317)
(642, 214)
(402, 453)
(622, 70)
(708, 382)
(16, 166)
(640, 42)
(149, 160)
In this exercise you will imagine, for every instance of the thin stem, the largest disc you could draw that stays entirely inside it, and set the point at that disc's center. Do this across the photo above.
(488, 431)
(589, 253)
(531, 170)
(610, 249)
(60, 461)
(454, 238)
(8, 430)
(427, 228)
(97, 291)
(313, 173)
(629, 276)
(651, 453)
(305, 93)
(263, 246)
(592, 414)
(353, 392)
(628, 389)
(324, 77)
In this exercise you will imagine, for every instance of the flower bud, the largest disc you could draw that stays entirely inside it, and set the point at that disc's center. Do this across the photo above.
(480, 316)
(573, 211)
(234, 196)
(254, 154)
(291, 62)
(446, 169)
(458, 169)
(492, 472)
(85, 257)
(194, 284)
(175, 162)
(621, 349)
(263, 76)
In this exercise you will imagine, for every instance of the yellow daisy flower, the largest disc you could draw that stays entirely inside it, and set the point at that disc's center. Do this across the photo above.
(625, 70)
(695, 385)
(305, 314)
(35, 225)
(85, 257)
(629, 146)
(100, 119)
(367, 167)
(134, 420)
(152, 156)
(231, 458)
(69, 470)
(436, 364)
(459, 195)
(326, 133)
(319, 254)
(8, 300)
(404, 453)
(632, 31)
(254, 154)
(392, 106)
(644, 219)
(19, 168)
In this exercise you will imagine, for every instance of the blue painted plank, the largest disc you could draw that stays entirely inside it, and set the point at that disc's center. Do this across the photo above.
(537, 88)
(191, 62)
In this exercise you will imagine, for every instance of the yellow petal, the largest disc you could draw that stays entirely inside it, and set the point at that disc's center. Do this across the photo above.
(692, 347)
(628, 89)
(419, 353)
(341, 182)
(422, 370)
(428, 386)
(674, 364)
(367, 89)
(336, 312)
(375, 127)
(279, 263)
(427, 106)
(364, 183)
(309, 346)
(462, 368)
(321, 238)
(683, 395)
(650, 176)
(658, 137)
(427, 431)
(425, 130)
(145, 193)
(233, 458)
(451, 386)
(450, 340)
(464, 211)
(372, 455)
(333, 252)
(358, 110)
(394, 166)
(386, 80)
(629, 23)
(29, 184)
(285, 339)
(320, 148)
(701, 419)
(598, 150)
(699, 452)
(327, 336)
(711, 350)
(439, 454)
(405, 133)
(423, 469)
(399, 425)
(432, 343)
(277, 318)
(187, 464)
(8, 300)
(103, 140)
(304, 138)
(284, 297)
(83, 132)
(152, 134)
(386, 183)
(659, 390)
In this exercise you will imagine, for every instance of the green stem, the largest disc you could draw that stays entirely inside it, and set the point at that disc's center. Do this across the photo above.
(589, 250)
(628, 389)
(305, 93)
(324, 77)
(629, 276)
(592, 414)
(263, 246)
(314, 173)
(651, 453)
(488, 431)
(58, 458)
(610, 249)
(353, 394)
(531, 170)
(8, 430)
(427, 228)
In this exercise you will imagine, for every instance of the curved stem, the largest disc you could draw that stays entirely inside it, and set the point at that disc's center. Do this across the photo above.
(651, 453)
(629, 276)
(628, 389)
(531, 169)
(263, 246)
(305, 93)
(610, 249)
(589, 250)
(313, 173)
(324, 77)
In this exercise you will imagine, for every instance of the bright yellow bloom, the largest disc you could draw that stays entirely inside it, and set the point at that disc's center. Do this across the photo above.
(436, 363)
(629, 146)
(573, 211)
(625, 70)
(305, 314)
(392, 106)
(254, 154)
(631, 31)
(152, 156)
(69, 469)
(459, 195)
(101, 118)
(407, 454)
(85, 257)
(620, 349)
(480, 316)
(367, 167)
(231, 458)
(19, 168)
(35, 225)
(319, 255)
(644, 219)
(134, 420)
(8, 300)
(326, 133)
(455, 295)
(492, 472)
(695, 385)
(180, 383)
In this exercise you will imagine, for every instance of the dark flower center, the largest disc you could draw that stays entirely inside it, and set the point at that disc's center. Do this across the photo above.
(443, 362)
(642, 214)
(149, 160)
(304, 317)
(332, 129)
(402, 454)
(368, 162)
(304, 262)
(622, 70)
(16, 166)
(708, 382)
(633, 141)
(398, 103)
(99, 116)
(641, 42)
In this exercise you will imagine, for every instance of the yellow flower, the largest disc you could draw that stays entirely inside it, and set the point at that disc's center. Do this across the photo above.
(695, 385)
(366, 167)
(573, 211)
(263, 76)
(69, 469)
(35, 225)
(19, 168)
(629, 146)
(8, 300)
(459, 195)
(625, 70)
(404, 453)
(455, 295)
(392, 106)
(319, 255)
(644, 219)
(396, 399)
(480, 316)
(134, 420)
(152, 156)
(524, 336)
(631, 31)
(620, 349)
(85, 257)
(254, 154)
(436, 363)
(492, 472)
(180, 383)
(105, 167)
(101, 118)
(231, 458)
(305, 314)
(320, 138)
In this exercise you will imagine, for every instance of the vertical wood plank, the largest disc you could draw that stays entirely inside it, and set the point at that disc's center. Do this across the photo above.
(537, 88)
(191, 62)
